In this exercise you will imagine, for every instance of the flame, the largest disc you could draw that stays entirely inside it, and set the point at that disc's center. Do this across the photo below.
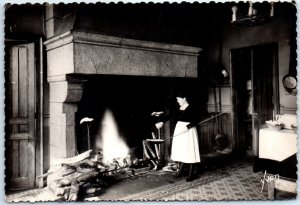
(113, 144)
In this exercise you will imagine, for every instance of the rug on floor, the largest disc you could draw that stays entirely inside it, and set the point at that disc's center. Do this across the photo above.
(234, 182)
(181, 185)
(241, 184)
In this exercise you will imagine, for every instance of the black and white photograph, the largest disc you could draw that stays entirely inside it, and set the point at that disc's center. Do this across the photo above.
(150, 101)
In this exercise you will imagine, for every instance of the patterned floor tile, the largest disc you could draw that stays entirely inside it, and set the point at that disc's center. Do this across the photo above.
(242, 184)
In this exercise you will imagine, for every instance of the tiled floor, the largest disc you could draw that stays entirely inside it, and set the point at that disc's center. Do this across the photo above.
(241, 184)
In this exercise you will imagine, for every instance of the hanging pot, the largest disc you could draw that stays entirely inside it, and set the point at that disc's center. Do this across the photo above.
(220, 141)
(289, 82)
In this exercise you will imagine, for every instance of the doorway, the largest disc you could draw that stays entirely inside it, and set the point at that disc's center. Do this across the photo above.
(255, 93)
(20, 110)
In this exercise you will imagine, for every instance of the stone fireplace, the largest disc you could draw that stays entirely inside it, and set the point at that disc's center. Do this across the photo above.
(75, 59)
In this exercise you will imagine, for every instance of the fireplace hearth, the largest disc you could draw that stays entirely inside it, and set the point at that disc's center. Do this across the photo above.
(128, 102)
(77, 60)
(88, 174)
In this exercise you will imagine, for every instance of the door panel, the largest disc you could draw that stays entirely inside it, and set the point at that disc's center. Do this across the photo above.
(258, 64)
(241, 73)
(20, 111)
(264, 88)
(263, 94)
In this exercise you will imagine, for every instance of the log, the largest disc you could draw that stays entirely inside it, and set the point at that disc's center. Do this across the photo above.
(86, 176)
(50, 171)
(61, 191)
(66, 196)
(112, 167)
(72, 177)
(77, 164)
(92, 190)
(85, 170)
(74, 190)
(102, 168)
(75, 159)
(122, 162)
(86, 185)
(54, 178)
(64, 182)
(67, 173)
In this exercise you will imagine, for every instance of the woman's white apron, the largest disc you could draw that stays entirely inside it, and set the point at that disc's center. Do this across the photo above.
(185, 146)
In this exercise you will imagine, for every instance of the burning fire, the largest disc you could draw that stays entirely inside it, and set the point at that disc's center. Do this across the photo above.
(113, 144)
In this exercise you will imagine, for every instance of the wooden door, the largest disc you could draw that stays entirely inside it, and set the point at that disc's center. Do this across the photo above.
(259, 65)
(265, 92)
(241, 73)
(20, 117)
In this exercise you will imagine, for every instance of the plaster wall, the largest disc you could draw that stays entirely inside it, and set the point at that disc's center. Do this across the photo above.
(278, 31)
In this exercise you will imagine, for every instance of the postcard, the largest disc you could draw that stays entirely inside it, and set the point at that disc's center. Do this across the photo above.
(150, 101)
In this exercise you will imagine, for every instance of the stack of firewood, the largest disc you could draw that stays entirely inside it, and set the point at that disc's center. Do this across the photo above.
(84, 175)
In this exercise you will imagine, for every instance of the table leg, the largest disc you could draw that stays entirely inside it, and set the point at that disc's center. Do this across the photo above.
(271, 190)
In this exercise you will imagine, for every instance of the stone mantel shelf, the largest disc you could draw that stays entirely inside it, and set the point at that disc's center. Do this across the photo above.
(97, 39)
(88, 53)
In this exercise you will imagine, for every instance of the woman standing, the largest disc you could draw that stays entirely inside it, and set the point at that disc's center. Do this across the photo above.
(185, 147)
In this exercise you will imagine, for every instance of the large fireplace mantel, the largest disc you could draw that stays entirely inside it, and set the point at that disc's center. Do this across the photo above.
(86, 53)
(89, 54)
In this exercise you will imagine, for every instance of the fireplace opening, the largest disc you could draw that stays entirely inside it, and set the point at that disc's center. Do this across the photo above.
(128, 102)
(113, 131)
